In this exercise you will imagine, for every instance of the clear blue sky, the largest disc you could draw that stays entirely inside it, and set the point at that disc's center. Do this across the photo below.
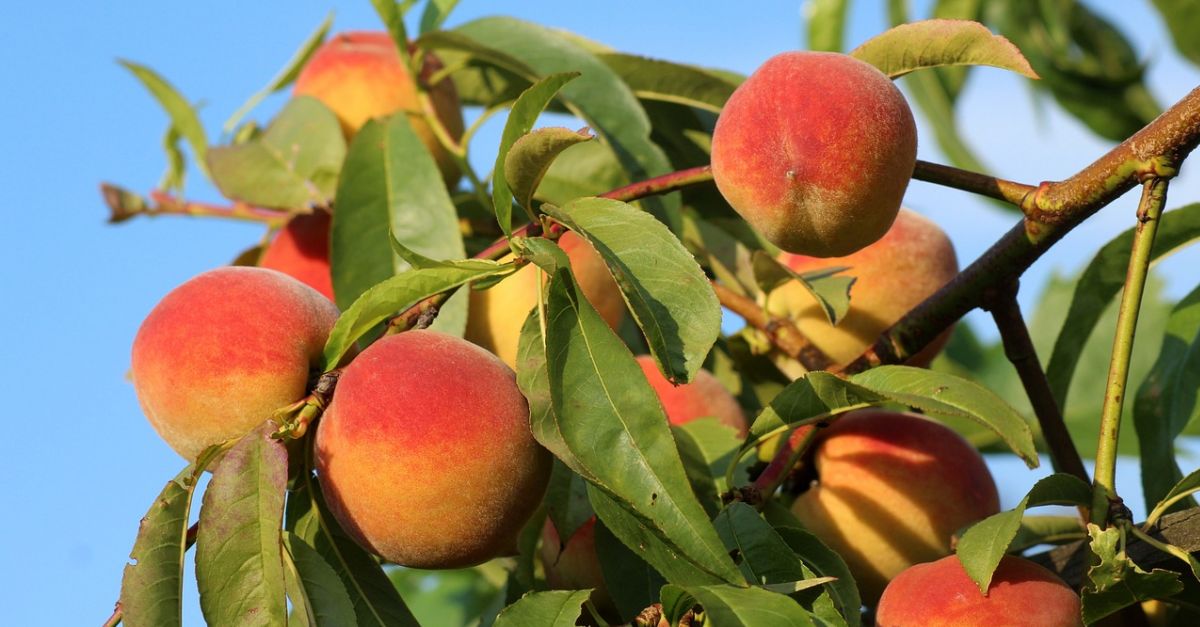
(78, 462)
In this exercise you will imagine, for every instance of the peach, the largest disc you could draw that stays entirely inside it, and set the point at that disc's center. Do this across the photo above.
(911, 262)
(941, 594)
(703, 397)
(497, 313)
(220, 353)
(815, 150)
(359, 75)
(891, 489)
(574, 565)
(301, 251)
(425, 455)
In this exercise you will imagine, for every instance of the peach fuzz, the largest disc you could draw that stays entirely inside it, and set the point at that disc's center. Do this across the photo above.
(359, 75)
(497, 313)
(703, 397)
(221, 352)
(575, 565)
(815, 150)
(911, 262)
(891, 489)
(425, 454)
(301, 251)
(940, 594)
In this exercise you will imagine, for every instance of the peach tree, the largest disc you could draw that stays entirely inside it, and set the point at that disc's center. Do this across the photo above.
(612, 456)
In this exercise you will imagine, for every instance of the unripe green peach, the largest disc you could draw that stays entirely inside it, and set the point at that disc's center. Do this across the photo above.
(815, 150)
(940, 594)
(425, 455)
(220, 353)
(359, 75)
(703, 397)
(301, 251)
(891, 489)
(911, 262)
(497, 313)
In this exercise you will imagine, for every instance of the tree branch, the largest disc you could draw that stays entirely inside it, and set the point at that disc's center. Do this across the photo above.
(782, 333)
(1051, 212)
(124, 205)
(1018, 348)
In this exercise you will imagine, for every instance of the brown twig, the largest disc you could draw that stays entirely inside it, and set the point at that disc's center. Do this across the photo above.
(1018, 348)
(781, 331)
(948, 176)
(124, 205)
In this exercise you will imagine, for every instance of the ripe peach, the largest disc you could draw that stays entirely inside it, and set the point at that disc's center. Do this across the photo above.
(301, 251)
(425, 454)
(703, 397)
(220, 353)
(911, 262)
(497, 313)
(941, 594)
(359, 75)
(815, 150)
(574, 565)
(891, 489)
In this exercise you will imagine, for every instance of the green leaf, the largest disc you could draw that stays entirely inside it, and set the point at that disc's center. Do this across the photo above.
(666, 290)
(152, 586)
(730, 261)
(1114, 581)
(392, 189)
(707, 448)
(285, 77)
(435, 14)
(566, 501)
(1103, 278)
(176, 172)
(632, 583)
(324, 596)
(815, 395)
(376, 602)
(397, 294)
(653, 79)
(831, 292)
(532, 154)
(985, 543)
(937, 43)
(556, 608)
(183, 117)
(760, 553)
(824, 561)
(525, 111)
(1187, 486)
(599, 96)
(606, 419)
(392, 15)
(1167, 402)
(294, 164)
(1182, 18)
(588, 169)
(943, 394)
(1037, 530)
(826, 24)
(239, 560)
(730, 606)
(1089, 66)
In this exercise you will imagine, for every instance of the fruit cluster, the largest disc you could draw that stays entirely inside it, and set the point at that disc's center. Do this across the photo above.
(425, 454)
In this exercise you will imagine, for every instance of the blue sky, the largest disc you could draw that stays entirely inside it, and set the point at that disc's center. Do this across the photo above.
(79, 464)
